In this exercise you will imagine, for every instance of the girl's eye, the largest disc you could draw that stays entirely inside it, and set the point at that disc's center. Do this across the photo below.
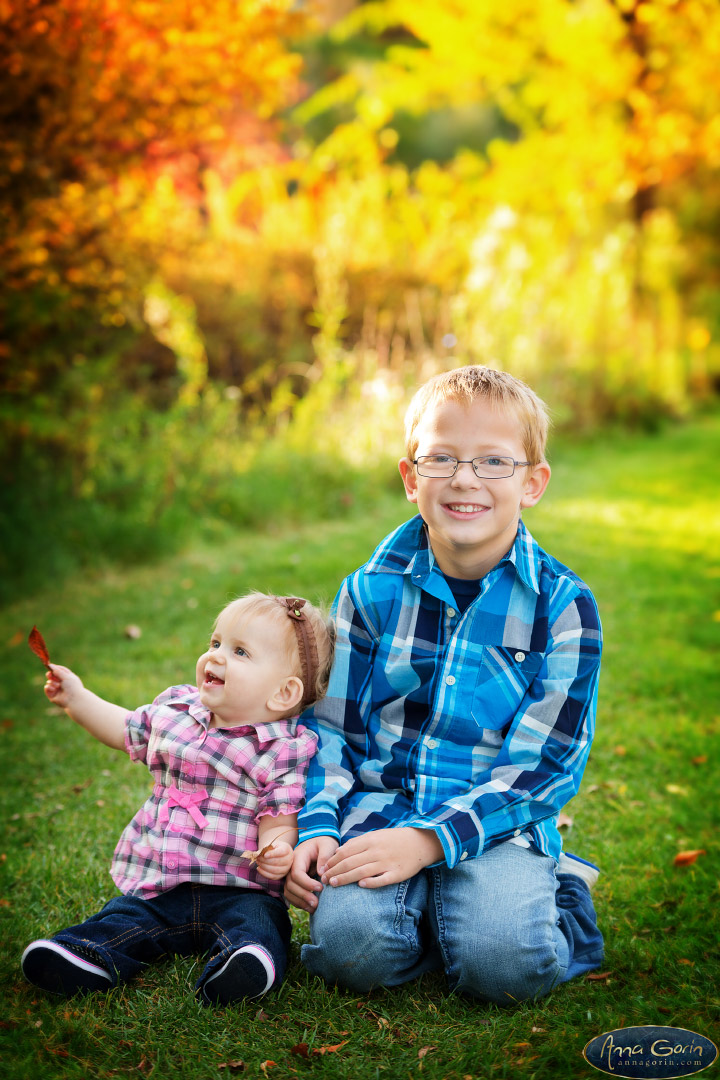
(240, 651)
(214, 644)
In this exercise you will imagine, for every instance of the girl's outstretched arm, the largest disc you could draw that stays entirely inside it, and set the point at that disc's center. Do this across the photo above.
(101, 718)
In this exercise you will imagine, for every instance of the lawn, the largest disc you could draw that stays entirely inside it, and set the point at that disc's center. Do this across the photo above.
(639, 518)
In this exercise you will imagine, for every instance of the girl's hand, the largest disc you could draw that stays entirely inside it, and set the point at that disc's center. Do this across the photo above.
(62, 686)
(276, 863)
(310, 857)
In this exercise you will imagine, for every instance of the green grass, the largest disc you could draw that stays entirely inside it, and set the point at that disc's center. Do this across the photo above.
(638, 517)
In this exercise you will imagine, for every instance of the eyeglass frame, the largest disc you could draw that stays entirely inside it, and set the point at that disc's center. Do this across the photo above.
(467, 461)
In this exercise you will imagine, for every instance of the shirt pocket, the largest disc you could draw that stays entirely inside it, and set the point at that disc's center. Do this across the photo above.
(504, 675)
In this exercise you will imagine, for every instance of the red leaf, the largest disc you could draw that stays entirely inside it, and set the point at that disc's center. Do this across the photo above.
(599, 976)
(301, 1050)
(38, 646)
(684, 858)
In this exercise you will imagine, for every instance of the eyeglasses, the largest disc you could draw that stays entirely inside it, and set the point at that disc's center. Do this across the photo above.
(491, 467)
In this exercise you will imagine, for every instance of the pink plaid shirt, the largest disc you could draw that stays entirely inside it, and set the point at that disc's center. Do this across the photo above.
(211, 787)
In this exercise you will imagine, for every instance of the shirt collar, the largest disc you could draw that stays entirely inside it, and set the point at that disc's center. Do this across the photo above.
(264, 733)
(407, 551)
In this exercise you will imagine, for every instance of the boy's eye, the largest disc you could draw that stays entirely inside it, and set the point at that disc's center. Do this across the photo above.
(440, 459)
(492, 459)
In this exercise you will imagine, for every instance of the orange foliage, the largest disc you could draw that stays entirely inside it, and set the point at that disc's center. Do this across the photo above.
(100, 101)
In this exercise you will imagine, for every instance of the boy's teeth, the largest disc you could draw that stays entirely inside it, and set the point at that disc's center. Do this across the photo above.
(463, 508)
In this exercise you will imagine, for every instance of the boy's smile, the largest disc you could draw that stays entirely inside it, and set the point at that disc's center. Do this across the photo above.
(472, 522)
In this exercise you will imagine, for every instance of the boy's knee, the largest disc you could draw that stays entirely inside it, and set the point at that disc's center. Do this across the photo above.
(346, 948)
(507, 974)
(352, 959)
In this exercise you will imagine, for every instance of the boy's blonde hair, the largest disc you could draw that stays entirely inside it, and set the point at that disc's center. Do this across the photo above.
(502, 390)
(273, 608)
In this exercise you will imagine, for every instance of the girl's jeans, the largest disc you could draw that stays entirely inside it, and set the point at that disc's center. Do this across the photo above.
(132, 931)
(504, 927)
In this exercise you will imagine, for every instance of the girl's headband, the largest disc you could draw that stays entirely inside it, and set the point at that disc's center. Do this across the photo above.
(307, 646)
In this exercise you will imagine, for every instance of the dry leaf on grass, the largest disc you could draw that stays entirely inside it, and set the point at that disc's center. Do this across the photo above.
(685, 858)
(425, 1050)
(233, 1066)
(330, 1049)
(564, 820)
(599, 976)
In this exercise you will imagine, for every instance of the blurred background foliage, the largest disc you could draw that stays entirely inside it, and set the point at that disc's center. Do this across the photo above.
(236, 233)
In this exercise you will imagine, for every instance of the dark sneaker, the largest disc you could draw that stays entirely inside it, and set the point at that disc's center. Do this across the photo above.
(54, 968)
(573, 864)
(249, 972)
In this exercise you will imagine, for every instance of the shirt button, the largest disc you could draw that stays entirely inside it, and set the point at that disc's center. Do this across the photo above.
(451, 612)
(171, 864)
(431, 744)
(450, 680)
(516, 833)
(463, 856)
(519, 656)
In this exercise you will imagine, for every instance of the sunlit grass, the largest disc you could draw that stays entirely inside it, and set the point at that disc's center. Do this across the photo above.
(638, 519)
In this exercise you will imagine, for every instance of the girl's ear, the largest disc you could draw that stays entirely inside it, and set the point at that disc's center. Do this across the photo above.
(535, 484)
(409, 478)
(287, 696)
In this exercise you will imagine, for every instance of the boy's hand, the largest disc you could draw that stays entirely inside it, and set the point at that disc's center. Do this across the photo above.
(275, 864)
(62, 686)
(311, 855)
(383, 857)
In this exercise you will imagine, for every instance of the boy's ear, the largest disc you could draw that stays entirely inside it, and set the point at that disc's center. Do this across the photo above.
(409, 478)
(287, 696)
(535, 484)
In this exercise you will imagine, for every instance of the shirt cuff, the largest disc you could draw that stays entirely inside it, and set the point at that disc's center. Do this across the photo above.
(321, 823)
(454, 849)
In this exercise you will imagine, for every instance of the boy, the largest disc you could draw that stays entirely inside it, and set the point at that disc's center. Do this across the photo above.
(457, 723)
(229, 762)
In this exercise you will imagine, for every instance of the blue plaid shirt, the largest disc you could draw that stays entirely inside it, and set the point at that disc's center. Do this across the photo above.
(476, 725)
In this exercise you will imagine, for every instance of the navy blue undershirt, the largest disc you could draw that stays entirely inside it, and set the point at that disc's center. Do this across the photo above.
(463, 590)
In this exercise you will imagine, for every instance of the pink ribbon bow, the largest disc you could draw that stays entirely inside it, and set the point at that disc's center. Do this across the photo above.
(189, 801)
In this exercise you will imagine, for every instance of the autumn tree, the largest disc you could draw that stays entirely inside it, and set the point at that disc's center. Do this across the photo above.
(105, 106)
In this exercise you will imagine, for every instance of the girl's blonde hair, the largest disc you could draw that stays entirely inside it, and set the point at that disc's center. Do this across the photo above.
(273, 608)
(504, 391)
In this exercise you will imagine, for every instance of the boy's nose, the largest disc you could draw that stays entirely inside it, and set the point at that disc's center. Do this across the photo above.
(462, 478)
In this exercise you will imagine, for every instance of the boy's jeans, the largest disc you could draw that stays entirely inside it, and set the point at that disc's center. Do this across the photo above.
(132, 931)
(504, 927)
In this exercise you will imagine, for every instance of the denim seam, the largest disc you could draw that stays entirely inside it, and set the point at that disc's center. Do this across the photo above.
(401, 917)
(440, 919)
